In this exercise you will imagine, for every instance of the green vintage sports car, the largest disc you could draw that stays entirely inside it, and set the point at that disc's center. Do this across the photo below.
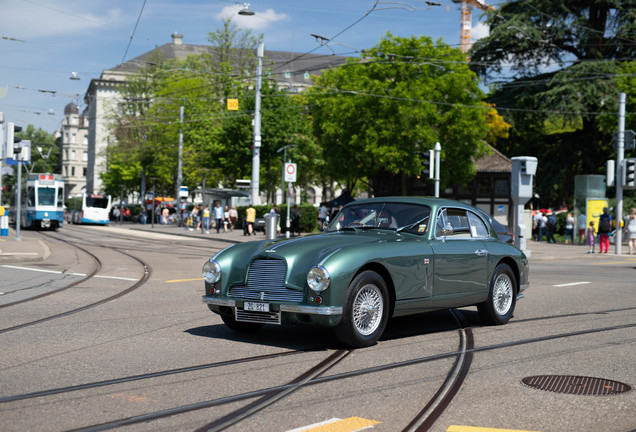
(379, 258)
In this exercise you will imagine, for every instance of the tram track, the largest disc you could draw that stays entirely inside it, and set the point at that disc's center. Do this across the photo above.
(267, 396)
(98, 266)
(141, 281)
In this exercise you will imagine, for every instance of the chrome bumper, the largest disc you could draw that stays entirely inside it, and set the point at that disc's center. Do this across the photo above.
(309, 310)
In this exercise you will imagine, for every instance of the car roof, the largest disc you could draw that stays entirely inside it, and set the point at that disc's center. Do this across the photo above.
(433, 202)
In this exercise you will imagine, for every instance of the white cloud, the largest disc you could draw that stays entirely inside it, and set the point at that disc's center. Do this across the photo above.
(481, 30)
(258, 21)
(45, 18)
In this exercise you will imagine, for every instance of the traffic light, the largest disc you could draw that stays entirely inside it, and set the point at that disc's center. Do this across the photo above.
(12, 139)
(629, 170)
(428, 166)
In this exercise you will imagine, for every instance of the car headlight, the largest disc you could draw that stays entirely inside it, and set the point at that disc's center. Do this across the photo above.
(318, 279)
(211, 271)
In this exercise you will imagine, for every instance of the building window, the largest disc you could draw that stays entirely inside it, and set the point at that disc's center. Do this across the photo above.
(72, 154)
(72, 171)
(85, 156)
(84, 172)
(85, 141)
(73, 138)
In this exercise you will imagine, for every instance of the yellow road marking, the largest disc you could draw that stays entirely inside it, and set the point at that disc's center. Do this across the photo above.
(456, 428)
(184, 280)
(349, 424)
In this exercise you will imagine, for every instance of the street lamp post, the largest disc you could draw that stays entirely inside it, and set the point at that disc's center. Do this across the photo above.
(256, 150)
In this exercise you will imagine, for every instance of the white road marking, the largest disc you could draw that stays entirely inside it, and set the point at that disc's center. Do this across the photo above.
(571, 284)
(70, 274)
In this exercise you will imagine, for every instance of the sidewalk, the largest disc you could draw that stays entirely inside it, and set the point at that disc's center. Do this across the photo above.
(28, 248)
(33, 248)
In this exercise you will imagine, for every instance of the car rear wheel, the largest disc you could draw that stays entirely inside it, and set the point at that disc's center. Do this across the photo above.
(239, 326)
(501, 301)
(365, 311)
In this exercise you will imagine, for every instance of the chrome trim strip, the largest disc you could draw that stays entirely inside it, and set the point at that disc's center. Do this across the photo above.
(312, 310)
(218, 301)
(520, 296)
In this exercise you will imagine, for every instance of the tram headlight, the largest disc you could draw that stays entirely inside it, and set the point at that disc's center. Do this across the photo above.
(318, 279)
(211, 271)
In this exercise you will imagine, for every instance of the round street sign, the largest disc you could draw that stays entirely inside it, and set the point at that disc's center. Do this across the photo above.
(290, 172)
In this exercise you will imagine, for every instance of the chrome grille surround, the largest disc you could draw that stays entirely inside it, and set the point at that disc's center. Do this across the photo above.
(266, 283)
(257, 317)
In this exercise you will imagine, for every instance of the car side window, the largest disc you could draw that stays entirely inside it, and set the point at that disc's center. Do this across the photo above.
(456, 223)
(477, 226)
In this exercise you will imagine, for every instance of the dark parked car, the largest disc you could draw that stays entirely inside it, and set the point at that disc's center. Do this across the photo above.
(379, 258)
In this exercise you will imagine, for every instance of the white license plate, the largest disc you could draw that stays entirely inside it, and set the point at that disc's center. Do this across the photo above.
(256, 307)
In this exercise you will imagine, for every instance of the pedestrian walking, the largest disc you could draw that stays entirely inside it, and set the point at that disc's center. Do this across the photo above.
(582, 224)
(630, 231)
(604, 230)
(590, 237)
(250, 218)
(569, 228)
(206, 220)
(233, 217)
(295, 220)
(550, 226)
(226, 218)
(218, 216)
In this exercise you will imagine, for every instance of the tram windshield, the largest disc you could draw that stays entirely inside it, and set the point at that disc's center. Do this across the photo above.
(46, 196)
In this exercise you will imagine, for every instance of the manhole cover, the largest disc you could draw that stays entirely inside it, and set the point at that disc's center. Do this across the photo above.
(577, 385)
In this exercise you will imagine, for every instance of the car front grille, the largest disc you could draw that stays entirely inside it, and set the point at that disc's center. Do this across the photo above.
(266, 282)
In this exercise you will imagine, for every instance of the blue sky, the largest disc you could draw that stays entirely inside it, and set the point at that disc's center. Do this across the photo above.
(42, 42)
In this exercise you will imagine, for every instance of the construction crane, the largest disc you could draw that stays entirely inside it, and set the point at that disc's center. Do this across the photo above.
(466, 23)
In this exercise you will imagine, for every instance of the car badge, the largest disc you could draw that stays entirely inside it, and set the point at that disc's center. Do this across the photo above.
(421, 228)
(426, 261)
(262, 295)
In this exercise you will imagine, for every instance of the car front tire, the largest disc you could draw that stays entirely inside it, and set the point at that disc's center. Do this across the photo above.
(365, 311)
(500, 305)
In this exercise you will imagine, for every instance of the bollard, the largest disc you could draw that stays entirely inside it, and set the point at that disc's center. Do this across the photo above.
(4, 226)
(271, 222)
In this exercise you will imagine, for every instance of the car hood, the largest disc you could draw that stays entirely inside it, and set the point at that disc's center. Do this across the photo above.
(300, 254)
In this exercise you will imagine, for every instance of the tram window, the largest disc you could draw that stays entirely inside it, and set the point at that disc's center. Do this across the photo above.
(60, 197)
(30, 197)
(46, 196)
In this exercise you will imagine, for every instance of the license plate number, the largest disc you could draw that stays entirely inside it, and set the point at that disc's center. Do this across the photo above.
(256, 307)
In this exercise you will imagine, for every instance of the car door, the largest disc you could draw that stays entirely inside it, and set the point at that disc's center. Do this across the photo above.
(460, 257)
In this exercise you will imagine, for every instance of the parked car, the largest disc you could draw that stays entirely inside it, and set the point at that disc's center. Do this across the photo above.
(379, 258)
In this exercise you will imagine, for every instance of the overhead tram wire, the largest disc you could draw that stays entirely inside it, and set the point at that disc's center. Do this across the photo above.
(133, 32)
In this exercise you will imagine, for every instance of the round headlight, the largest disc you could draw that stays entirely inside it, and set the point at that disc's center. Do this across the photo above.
(211, 271)
(318, 278)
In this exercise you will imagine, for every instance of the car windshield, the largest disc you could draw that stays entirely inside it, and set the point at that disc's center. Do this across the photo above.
(394, 216)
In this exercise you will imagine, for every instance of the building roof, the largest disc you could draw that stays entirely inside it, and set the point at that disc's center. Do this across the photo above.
(281, 65)
(71, 108)
(494, 162)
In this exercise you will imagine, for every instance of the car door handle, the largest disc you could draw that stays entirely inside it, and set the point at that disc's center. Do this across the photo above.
(481, 252)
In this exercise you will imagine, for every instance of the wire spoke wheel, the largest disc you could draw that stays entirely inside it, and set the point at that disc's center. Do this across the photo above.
(502, 294)
(367, 309)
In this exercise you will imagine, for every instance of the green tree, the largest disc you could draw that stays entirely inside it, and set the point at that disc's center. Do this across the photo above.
(553, 68)
(147, 121)
(380, 112)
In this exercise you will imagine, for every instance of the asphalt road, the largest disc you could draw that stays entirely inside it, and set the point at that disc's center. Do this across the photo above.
(139, 342)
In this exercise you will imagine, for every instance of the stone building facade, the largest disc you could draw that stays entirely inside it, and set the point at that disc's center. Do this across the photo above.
(75, 149)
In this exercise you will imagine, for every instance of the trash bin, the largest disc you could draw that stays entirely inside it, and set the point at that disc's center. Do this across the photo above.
(271, 223)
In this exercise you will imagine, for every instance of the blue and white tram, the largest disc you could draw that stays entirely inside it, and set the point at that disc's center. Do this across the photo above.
(88, 208)
(44, 204)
